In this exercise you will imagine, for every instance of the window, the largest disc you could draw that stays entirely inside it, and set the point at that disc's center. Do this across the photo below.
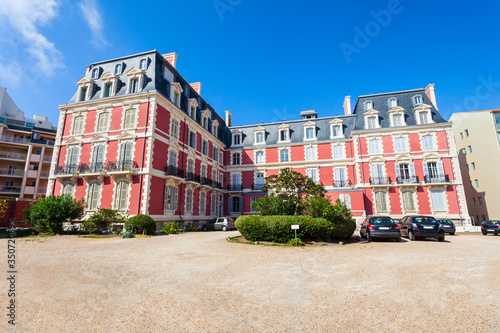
(375, 146)
(172, 158)
(174, 129)
(259, 137)
(397, 120)
(235, 204)
(474, 201)
(97, 159)
(93, 196)
(469, 148)
(336, 130)
(259, 157)
(284, 135)
(480, 200)
(134, 86)
(215, 154)
(125, 152)
(371, 122)
(118, 69)
(143, 64)
(102, 123)
(346, 199)
(129, 119)
(313, 174)
(190, 167)
(428, 143)
(467, 166)
(438, 200)
(310, 133)
(69, 189)
(380, 201)
(189, 200)
(121, 195)
(192, 139)
(311, 154)
(95, 73)
(78, 125)
(424, 117)
(204, 147)
(213, 205)
(259, 180)
(378, 174)
(408, 202)
(284, 156)
(236, 158)
(214, 175)
(400, 145)
(236, 139)
(393, 102)
(368, 105)
(204, 171)
(253, 200)
(106, 89)
(83, 94)
(340, 178)
(338, 152)
(461, 135)
(476, 182)
(473, 166)
(176, 98)
(417, 100)
(203, 202)
(466, 132)
(470, 183)
(170, 198)
(72, 160)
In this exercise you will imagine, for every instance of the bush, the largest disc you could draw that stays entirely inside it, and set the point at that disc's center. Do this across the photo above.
(49, 214)
(295, 242)
(102, 220)
(141, 224)
(170, 228)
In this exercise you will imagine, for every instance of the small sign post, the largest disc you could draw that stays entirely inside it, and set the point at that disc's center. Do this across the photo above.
(295, 227)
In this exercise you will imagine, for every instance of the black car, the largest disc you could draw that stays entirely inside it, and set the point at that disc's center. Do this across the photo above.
(490, 227)
(415, 227)
(448, 226)
(380, 227)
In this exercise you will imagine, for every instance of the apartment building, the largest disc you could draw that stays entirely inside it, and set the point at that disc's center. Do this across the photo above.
(477, 137)
(137, 137)
(26, 148)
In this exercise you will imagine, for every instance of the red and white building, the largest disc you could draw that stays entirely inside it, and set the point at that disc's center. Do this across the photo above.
(139, 138)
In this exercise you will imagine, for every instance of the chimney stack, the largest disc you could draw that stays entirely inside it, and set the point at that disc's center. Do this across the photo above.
(228, 118)
(196, 86)
(347, 105)
(431, 93)
(171, 58)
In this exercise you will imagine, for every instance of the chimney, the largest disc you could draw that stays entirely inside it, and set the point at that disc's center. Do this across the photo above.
(347, 105)
(431, 93)
(196, 86)
(171, 58)
(228, 118)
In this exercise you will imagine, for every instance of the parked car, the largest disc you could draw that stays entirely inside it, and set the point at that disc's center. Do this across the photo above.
(220, 223)
(415, 227)
(448, 226)
(490, 227)
(379, 227)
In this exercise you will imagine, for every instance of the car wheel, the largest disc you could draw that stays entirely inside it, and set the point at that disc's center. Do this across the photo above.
(224, 228)
(411, 236)
(398, 239)
(484, 233)
(441, 239)
(368, 237)
(452, 233)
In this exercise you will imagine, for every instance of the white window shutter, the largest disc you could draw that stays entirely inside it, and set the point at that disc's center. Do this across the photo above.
(440, 169)
(411, 167)
(426, 170)
(398, 171)
(175, 198)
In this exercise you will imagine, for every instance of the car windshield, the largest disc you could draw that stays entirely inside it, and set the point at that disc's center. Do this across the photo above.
(424, 219)
(491, 222)
(381, 220)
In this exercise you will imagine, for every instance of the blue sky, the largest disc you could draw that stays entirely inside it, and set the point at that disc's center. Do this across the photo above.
(263, 61)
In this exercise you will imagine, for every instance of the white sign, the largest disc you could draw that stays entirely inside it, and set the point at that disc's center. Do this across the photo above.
(295, 227)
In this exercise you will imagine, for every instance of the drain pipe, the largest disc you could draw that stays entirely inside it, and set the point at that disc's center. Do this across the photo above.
(143, 156)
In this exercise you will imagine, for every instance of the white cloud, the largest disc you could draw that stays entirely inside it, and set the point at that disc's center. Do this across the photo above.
(93, 19)
(10, 74)
(23, 17)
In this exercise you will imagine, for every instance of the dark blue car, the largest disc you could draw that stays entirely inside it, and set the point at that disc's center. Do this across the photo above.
(415, 227)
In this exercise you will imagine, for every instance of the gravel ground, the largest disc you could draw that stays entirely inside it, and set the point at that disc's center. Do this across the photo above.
(198, 282)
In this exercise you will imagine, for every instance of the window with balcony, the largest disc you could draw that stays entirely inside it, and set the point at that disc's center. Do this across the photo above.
(93, 196)
(125, 153)
(189, 200)
(121, 195)
(284, 155)
(170, 202)
(434, 172)
(405, 173)
(103, 122)
(235, 181)
(78, 125)
(97, 159)
(259, 180)
(340, 179)
(129, 121)
(378, 177)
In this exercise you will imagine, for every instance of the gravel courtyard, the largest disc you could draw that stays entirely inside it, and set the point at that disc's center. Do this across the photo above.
(199, 282)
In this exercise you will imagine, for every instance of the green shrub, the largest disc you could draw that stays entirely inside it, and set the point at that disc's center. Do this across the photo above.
(102, 220)
(295, 242)
(141, 224)
(49, 214)
(170, 228)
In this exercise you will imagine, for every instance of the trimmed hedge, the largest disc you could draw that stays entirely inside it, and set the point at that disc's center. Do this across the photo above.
(139, 223)
(278, 228)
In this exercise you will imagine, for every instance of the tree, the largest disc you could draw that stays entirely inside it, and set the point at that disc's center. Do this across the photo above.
(102, 219)
(3, 207)
(49, 214)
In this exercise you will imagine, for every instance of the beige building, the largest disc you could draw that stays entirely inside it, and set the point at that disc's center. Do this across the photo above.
(477, 137)
(26, 148)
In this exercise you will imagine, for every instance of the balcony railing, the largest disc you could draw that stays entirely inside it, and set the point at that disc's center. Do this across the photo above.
(12, 139)
(44, 174)
(42, 190)
(125, 165)
(68, 169)
(11, 172)
(235, 188)
(437, 179)
(380, 180)
(10, 189)
(342, 183)
(92, 168)
(216, 185)
(407, 180)
(43, 142)
(14, 156)
(47, 159)
(173, 171)
(205, 181)
(192, 177)
(257, 187)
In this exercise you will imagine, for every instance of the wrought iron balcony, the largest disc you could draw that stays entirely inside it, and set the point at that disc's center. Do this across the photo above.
(125, 165)
(205, 181)
(192, 177)
(437, 179)
(257, 187)
(92, 168)
(216, 185)
(174, 171)
(342, 183)
(67, 169)
(380, 180)
(407, 180)
(235, 188)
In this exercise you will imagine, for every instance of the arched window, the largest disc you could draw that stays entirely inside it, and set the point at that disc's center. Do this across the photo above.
(143, 64)
(95, 73)
(118, 69)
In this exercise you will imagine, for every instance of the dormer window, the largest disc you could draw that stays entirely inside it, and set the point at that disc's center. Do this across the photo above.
(109, 84)
(423, 114)
(83, 94)
(106, 89)
(118, 69)
(236, 139)
(372, 122)
(143, 64)
(134, 85)
(95, 73)
(368, 105)
(284, 133)
(85, 89)
(336, 130)
(417, 100)
(215, 127)
(310, 131)
(175, 93)
(393, 102)
(397, 120)
(260, 135)
(424, 117)
(135, 80)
